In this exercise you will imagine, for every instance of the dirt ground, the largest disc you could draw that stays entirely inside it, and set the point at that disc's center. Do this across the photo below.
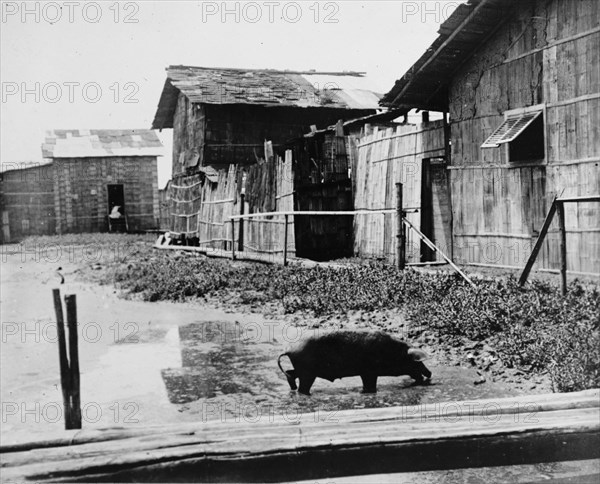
(154, 363)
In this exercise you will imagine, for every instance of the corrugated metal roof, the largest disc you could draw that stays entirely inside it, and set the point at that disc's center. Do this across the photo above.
(425, 84)
(83, 143)
(266, 87)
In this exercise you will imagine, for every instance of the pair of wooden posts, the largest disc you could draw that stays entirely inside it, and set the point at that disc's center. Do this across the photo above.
(69, 366)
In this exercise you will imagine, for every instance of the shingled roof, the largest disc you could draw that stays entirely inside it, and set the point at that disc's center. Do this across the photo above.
(84, 143)
(425, 84)
(266, 87)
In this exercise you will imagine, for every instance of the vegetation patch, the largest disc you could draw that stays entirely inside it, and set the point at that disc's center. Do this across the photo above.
(533, 328)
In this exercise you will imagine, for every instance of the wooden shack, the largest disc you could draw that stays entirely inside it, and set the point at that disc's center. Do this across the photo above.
(520, 82)
(84, 176)
(230, 129)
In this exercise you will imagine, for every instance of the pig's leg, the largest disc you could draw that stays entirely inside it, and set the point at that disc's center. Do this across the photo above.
(369, 383)
(291, 379)
(417, 377)
(306, 381)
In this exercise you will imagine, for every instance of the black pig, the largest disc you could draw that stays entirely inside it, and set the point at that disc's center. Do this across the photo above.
(339, 354)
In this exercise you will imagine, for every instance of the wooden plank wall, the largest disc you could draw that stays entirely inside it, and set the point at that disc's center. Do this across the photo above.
(189, 125)
(549, 55)
(385, 157)
(27, 202)
(571, 86)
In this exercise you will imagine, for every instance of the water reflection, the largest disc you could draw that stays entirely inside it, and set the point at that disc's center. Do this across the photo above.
(216, 360)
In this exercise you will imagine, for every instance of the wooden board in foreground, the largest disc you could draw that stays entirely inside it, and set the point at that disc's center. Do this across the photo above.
(448, 435)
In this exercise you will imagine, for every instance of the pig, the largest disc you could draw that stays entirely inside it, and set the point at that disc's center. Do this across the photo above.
(340, 354)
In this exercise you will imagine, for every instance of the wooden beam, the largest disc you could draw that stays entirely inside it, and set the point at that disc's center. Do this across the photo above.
(538, 244)
(513, 431)
(591, 198)
(322, 212)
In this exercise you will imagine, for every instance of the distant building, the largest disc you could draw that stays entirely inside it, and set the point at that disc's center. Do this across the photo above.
(86, 175)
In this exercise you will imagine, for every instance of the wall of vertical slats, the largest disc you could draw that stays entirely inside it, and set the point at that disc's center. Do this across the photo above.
(547, 55)
(385, 157)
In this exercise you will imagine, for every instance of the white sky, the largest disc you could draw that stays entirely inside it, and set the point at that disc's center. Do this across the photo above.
(381, 38)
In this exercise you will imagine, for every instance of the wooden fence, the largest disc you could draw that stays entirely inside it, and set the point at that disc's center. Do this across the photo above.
(201, 206)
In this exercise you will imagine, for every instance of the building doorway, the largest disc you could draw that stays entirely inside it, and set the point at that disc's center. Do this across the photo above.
(117, 217)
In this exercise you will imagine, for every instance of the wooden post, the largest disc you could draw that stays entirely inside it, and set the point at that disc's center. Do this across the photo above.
(65, 374)
(71, 304)
(285, 240)
(233, 239)
(401, 234)
(560, 209)
(241, 228)
(448, 157)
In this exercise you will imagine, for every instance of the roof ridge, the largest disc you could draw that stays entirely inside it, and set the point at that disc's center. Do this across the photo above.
(272, 71)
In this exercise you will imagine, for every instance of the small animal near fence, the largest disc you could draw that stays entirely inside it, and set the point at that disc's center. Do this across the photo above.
(557, 207)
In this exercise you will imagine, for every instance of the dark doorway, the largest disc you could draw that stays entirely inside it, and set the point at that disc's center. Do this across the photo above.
(433, 179)
(117, 220)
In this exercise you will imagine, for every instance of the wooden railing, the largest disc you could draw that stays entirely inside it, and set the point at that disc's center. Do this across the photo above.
(428, 437)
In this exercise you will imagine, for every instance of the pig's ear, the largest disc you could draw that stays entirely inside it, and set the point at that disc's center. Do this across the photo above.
(417, 355)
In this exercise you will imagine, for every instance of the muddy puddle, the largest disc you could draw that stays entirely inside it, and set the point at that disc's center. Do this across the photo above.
(229, 372)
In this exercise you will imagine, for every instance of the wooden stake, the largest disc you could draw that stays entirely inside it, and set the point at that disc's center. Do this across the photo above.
(400, 235)
(538, 243)
(560, 208)
(71, 304)
(65, 374)
(285, 241)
